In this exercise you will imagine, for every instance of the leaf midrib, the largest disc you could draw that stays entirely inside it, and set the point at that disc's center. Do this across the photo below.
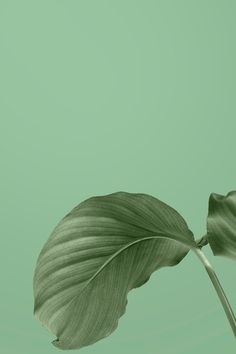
(158, 236)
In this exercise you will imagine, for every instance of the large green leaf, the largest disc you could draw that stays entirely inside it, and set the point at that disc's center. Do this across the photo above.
(102, 249)
(221, 224)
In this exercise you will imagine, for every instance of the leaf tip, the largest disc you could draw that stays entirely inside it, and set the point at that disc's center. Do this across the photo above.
(59, 345)
(56, 344)
(215, 197)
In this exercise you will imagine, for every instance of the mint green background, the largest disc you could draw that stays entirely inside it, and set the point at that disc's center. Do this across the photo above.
(102, 96)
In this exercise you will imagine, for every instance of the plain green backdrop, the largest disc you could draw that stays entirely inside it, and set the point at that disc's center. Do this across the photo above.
(99, 96)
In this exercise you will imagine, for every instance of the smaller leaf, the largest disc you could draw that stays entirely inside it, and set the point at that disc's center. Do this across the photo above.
(221, 224)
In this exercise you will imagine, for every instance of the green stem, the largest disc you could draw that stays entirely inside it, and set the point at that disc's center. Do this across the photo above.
(220, 292)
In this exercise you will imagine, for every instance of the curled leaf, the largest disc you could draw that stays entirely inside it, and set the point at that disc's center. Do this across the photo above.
(102, 249)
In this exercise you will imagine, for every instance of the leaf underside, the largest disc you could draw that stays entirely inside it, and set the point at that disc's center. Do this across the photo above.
(102, 249)
(221, 224)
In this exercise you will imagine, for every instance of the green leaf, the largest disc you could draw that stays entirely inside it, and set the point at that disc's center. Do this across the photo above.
(221, 224)
(102, 249)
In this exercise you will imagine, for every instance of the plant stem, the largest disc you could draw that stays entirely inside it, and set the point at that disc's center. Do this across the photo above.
(220, 292)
